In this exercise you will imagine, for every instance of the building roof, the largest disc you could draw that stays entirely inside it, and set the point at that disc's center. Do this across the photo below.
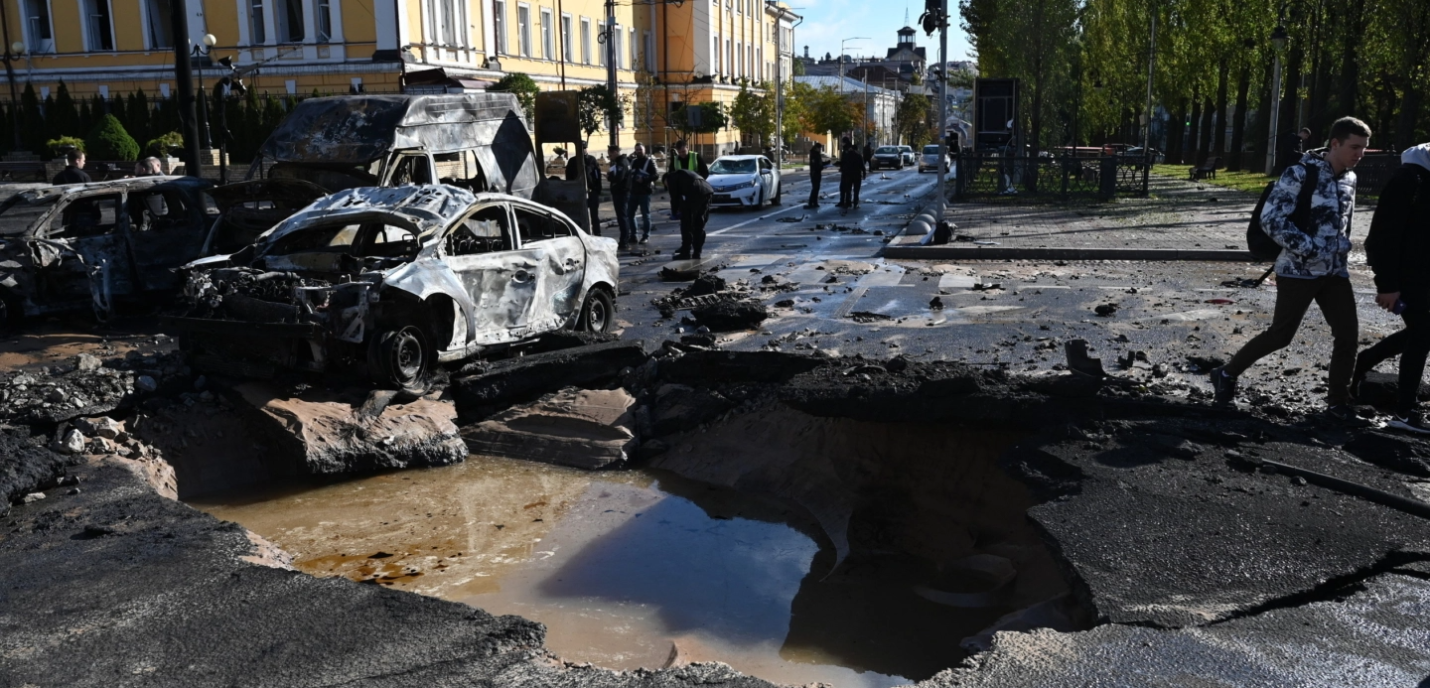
(850, 85)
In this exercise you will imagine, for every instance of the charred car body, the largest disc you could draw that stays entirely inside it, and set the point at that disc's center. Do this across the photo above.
(395, 281)
(476, 141)
(79, 246)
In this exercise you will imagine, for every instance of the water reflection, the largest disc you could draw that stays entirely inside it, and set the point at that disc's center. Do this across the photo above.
(627, 570)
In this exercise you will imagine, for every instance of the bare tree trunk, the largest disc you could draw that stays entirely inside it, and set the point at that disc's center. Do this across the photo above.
(1176, 129)
(1354, 23)
(1261, 127)
(1219, 136)
(1409, 114)
(1238, 122)
(1189, 154)
(1204, 144)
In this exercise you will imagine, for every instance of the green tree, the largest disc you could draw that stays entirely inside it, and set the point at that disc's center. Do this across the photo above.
(753, 113)
(911, 119)
(827, 110)
(595, 103)
(109, 141)
(524, 88)
(62, 116)
(797, 67)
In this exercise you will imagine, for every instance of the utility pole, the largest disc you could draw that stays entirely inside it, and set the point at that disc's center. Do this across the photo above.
(611, 55)
(942, 101)
(184, 83)
(10, 73)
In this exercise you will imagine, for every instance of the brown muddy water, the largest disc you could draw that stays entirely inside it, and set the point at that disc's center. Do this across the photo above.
(626, 569)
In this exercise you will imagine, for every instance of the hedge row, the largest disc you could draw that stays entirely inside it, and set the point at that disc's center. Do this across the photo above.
(59, 115)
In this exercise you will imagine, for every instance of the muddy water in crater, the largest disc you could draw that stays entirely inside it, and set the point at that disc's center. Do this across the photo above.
(626, 569)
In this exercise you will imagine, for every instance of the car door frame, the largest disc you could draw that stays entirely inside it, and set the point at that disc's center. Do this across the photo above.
(562, 256)
(489, 323)
(766, 172)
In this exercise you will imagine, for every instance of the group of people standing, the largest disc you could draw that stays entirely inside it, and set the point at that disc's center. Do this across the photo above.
(632, 179)
(1313, 228)
(853, 166)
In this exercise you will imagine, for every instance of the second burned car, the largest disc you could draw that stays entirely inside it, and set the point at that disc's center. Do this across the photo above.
(394, 281)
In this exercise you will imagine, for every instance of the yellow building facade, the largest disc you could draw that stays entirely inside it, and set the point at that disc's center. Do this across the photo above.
(664, 53)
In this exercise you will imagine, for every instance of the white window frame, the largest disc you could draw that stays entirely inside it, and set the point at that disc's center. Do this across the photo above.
(568, 36)
(146, 13)
(585, 41)
(523, 29)
(717, 62)
(635, 51)
(87, 22)
(33, 43)
(283, 28)
(548, 35)
(499, 24)
(257, 21)
(323, 21)
(729, 65)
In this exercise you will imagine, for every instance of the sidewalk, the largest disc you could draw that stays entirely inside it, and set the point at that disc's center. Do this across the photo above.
(1179, 220)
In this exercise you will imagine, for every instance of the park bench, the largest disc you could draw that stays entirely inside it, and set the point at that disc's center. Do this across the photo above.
(23, 171)
(1206, 170)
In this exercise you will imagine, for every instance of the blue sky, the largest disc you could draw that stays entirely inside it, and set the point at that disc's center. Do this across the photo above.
(827, 22)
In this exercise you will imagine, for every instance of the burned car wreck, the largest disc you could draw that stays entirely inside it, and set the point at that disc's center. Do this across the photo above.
(393, 282)
(78, 246)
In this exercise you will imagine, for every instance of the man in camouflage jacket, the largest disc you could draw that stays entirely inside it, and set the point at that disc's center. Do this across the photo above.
(1312, 264)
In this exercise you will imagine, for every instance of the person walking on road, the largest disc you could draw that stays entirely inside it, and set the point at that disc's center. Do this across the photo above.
(619, 175)
(593, 185)
(643, 176)
(685, 159)
(1312, 264)
(73, 173)
(1398, 249)
(851, 174)
(817, 162)
(868, 155)
(694, 194)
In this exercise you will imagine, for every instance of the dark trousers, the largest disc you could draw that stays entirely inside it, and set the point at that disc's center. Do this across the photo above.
(813, 191)
(846, 190)
(858, 184)
(621, 203)
(1411, 344)
(693, 214)
(1293, 297)
(593, 203)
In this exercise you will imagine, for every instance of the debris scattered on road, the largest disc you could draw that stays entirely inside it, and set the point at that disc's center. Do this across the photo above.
(1106, 310)
(868, 317)
(730, 316)
(936, 303)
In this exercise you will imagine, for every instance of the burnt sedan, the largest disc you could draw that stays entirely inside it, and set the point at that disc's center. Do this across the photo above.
(92, 246)
(393, 282)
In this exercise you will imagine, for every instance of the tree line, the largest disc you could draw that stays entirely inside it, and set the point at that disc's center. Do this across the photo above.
(1083, 69)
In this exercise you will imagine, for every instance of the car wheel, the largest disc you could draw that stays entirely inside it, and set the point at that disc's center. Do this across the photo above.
(399, 359)
(779, 190)
(598, 312)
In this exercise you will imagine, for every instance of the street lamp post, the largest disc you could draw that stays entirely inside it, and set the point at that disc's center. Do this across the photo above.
(1278, 41)
(202, 52)
(228, 86)
(841, 59)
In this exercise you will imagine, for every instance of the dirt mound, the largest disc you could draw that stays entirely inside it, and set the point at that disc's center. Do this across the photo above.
(731, 316)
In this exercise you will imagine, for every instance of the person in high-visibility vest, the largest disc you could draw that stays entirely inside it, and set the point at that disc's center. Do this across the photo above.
(684, 159)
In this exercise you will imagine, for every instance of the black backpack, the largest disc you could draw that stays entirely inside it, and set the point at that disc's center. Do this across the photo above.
(1258, 242)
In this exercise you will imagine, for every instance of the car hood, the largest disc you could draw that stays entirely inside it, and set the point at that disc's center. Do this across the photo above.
(729, 179)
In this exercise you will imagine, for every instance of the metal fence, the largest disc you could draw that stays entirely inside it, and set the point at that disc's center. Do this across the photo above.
(1064, 177)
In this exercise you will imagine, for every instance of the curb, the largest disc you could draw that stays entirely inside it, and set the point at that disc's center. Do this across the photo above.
(946, 251)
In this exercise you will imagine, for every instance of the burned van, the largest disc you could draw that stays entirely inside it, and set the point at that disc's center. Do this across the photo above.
(475, 141)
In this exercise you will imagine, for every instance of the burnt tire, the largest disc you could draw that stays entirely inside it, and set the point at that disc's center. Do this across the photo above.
(597, 313)
(400, 359)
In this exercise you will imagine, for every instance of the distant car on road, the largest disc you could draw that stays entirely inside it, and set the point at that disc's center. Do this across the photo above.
(906, 154)
(887, 157)
(745, 181)
(393, 281)
(930, 159)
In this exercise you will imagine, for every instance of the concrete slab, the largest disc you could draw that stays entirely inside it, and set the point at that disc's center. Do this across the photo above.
(574, 427)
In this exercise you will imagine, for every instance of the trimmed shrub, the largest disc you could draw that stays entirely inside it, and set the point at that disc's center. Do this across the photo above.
(62, 144)
(167, 144)
(109, 141)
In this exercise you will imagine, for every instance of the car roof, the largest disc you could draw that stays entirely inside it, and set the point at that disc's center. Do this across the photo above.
(739, 157)
(112, 185)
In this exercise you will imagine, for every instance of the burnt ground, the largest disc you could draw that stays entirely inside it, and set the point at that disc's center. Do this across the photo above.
(1173, 557)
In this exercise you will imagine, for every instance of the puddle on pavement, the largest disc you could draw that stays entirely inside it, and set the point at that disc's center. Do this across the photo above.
(625, 569)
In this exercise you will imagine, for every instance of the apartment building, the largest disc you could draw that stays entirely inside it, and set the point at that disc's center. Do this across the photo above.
(694, 52)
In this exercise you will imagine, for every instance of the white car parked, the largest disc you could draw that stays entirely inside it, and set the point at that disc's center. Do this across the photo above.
(746, 181)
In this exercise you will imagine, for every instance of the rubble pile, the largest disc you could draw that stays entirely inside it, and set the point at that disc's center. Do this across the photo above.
(87, 387)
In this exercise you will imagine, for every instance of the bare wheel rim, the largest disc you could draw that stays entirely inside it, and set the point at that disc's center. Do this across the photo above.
(596, 314)
(408, 357)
